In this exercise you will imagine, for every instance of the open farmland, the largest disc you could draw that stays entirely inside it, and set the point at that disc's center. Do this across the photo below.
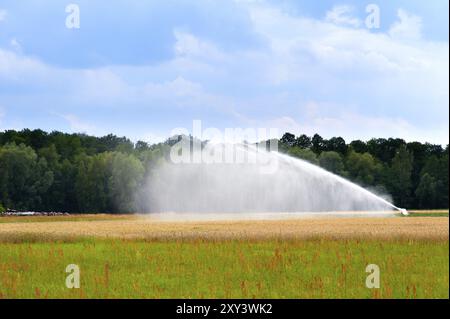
(140, 227)
(134, 256)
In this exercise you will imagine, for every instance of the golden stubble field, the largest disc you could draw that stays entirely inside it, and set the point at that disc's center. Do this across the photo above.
(143, 227)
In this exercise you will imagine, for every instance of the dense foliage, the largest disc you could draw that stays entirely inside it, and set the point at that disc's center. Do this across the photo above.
(85, 174)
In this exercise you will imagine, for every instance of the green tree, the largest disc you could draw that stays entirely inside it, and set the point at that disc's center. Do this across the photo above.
(92, 183)
(336, 144)
(141, 146)
(65, 195)
(359, 146)
(332, 161)
(304, 154)
(318, 144)
(126, 177)
(288, 139)
(23, 177)
(399, 177)
(437, 169)
(53, 199)
(363, 168)
(426, 192)
(303, 141)
(68, 146)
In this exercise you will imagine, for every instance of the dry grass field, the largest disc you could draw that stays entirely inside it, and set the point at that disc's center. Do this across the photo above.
(141, 257)
(141, 227)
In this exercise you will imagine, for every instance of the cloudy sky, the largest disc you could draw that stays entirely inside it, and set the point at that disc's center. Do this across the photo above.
(142, 68)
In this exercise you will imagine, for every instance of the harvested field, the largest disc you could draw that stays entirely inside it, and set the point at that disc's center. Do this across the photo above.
(138, 227)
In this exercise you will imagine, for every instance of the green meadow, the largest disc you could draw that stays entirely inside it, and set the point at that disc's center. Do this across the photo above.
(117, 268)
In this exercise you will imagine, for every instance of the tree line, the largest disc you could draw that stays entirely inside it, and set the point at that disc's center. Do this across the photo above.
(78, 173)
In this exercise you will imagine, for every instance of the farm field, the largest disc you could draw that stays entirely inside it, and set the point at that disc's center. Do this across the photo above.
(136, 257)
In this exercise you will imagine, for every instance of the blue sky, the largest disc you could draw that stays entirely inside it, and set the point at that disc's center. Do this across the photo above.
(142, 68)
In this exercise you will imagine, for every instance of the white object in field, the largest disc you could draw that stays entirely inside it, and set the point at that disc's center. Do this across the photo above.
(404, 212)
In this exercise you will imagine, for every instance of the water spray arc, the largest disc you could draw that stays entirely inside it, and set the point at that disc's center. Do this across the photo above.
(295, 186)
(342, 180)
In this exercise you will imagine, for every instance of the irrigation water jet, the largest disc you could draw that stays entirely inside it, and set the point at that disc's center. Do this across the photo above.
(346, 182)
(256, 183)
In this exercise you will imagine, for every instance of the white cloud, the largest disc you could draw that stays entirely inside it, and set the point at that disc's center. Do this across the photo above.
(15, 45)
(3, 14)
(188, 45)
(106, 86)
(359, 126)
(408, 28)
(14, 66)
(301, 41)
(179, 87)
(354, 126)
(375, 83)
(100, 85)
(79, 126)
(342, 15)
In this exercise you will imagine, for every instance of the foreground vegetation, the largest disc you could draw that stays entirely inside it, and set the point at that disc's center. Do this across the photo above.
(225, 269)
(307, 258)
(77, 173)
(429, 213)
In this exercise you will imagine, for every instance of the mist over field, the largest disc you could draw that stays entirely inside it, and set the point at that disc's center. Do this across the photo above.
(260, 182)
